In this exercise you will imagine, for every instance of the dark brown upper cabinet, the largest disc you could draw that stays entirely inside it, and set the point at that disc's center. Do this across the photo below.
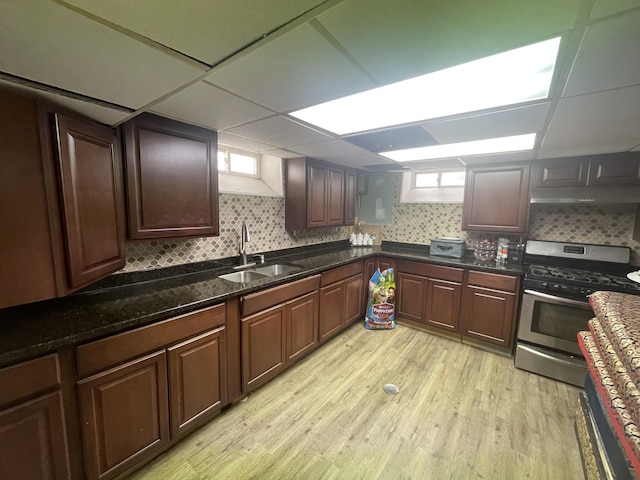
(318, 194)
(172, 178)
(350, 183)
(569, 172)
(91, 196)
(61, 183)
(592, 170)
(496, 198)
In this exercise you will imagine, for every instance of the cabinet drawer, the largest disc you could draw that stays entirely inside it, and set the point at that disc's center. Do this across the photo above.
(431, 271)
(256, 302)
(341, 273)
(28, 378)
(110, 351)
(493, 280)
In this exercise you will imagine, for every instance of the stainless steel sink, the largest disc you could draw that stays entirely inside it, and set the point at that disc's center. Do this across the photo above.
(245, 276)
(278, 269)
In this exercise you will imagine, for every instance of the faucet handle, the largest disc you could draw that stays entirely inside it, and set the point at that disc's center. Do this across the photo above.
(259, 257)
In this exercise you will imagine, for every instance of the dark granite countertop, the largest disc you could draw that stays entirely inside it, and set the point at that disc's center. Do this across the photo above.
(125, 301)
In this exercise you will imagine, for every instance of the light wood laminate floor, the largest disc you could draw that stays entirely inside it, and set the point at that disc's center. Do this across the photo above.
(461, 413)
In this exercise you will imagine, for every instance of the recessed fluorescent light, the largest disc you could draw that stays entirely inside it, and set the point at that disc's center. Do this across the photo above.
(515, 76)
(476, 147)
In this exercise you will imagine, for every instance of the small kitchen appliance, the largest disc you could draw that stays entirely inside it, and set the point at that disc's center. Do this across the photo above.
(447, 247)
(558, 278)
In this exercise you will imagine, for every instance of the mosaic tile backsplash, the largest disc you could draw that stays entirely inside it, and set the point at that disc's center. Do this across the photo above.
(412, 223)
(264, 217)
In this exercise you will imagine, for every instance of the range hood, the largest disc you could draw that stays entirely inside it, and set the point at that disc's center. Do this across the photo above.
(587, 195)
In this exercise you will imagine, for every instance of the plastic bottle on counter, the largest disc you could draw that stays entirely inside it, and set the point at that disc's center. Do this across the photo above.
(502, 252)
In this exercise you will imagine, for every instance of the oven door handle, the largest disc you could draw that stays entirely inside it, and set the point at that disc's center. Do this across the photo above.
(556, 299)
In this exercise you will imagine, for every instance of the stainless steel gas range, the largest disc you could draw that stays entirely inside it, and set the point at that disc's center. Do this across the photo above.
(554, 308)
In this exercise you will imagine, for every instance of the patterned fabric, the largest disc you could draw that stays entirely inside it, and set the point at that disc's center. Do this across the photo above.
(620, 416)
(619, 317)
(591, 461)
(625, 385)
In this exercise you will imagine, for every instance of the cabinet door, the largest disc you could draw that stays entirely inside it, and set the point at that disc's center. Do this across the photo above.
(489, 315)
(412, 291)
(496, 199)
(443, 304)
(615, 169)
(350, 181)
(197, 386)
(369, 269)
(172, 178)
(263, 347)
(335, 196)
(27, 274)
(92, 205)
(353, 304)
(562, 172)
(317, 178)
(33, 443)
(124, 413)
(302, 325)
(331, 309)
(385, 263)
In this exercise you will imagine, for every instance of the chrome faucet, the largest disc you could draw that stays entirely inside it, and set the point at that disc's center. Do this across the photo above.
(244, 239)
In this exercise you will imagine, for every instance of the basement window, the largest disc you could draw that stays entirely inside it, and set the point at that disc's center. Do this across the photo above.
(439, 179)
(234, 161)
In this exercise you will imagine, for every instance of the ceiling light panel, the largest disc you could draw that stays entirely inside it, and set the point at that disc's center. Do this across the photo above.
(476, 147)
(396, 40)
(512, 77)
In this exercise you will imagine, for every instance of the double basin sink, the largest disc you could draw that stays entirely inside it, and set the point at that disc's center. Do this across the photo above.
(258, 273)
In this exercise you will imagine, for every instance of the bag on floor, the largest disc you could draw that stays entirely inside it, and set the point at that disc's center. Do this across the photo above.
(382, 298)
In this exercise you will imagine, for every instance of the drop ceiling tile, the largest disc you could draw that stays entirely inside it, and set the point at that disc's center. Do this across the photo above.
(404, 38)
(49, 43)
(206, 105)
(592, 148)
(602, 8)
(583, 122)
(99, 113)
(205, 30)
(244, 143)
(500, 157)
(503, 123)
(279, 131)
(298, 69)
(368, 159)
(608, 56)
(282, 153)
(328, 150)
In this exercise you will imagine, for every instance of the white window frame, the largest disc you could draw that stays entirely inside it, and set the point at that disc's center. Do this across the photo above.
(439, 183)
(229, 150)
(409, 193)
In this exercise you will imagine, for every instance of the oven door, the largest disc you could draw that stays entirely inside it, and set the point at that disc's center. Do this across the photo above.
(553, 321)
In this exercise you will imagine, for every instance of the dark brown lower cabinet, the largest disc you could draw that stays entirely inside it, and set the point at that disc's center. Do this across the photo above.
(412, 291)
(33, 440)
(443, 304)
(302, 326)
(125, 415)
(489, 308)
(263, 346)
(197, 371)
(341, 301)
(33, 434)
(331, 304)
